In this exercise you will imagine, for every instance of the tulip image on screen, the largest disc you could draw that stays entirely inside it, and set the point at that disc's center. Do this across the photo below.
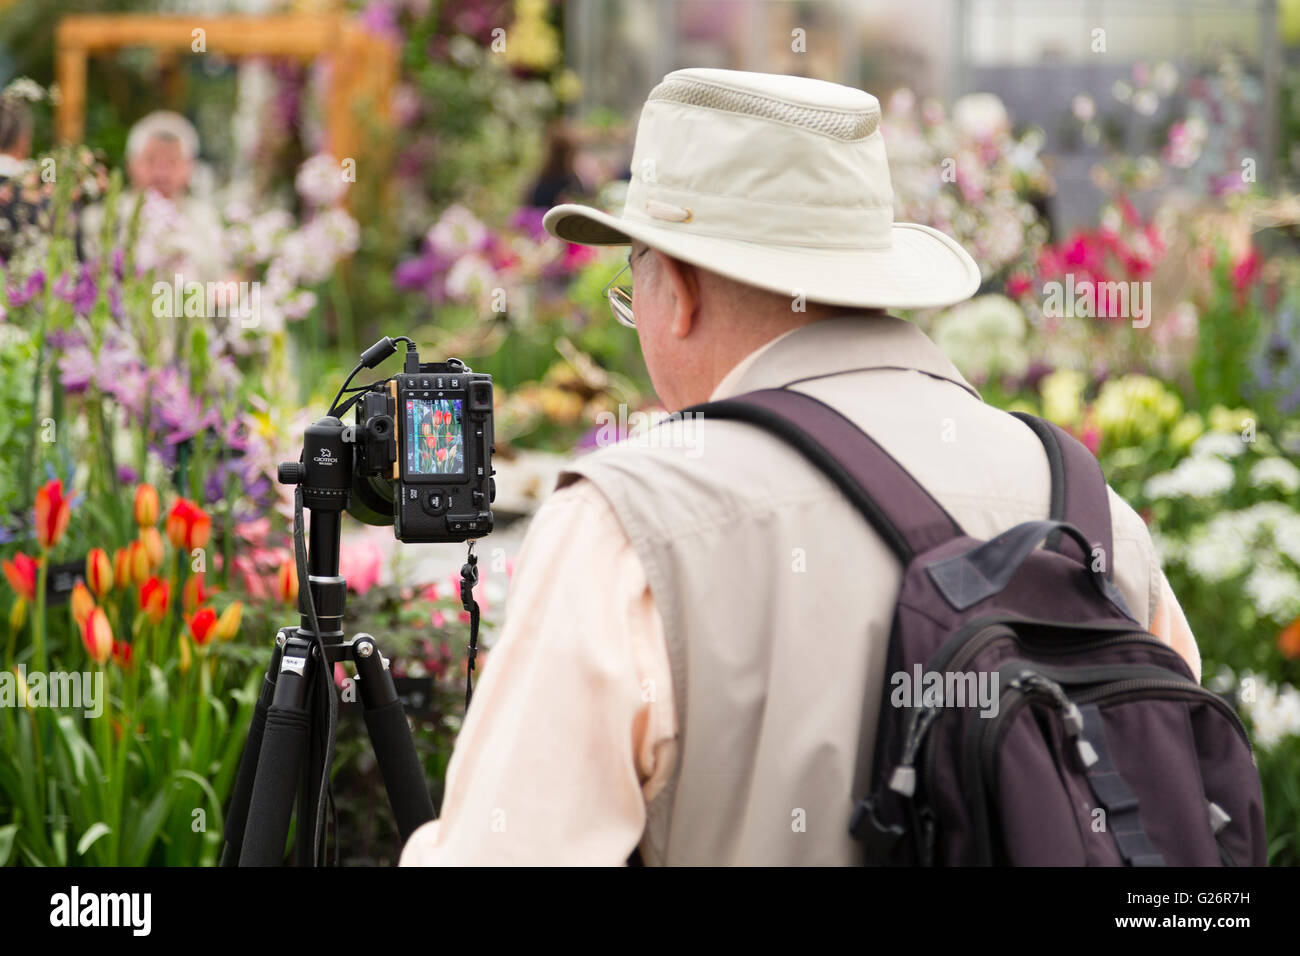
(434, 433)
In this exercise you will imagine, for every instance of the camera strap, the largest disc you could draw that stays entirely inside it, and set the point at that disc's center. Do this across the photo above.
(468, 579)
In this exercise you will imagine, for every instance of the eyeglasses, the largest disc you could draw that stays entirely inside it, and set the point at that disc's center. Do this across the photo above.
(620, 296)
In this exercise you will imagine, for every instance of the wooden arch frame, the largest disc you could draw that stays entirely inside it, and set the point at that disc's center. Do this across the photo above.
(363, 66)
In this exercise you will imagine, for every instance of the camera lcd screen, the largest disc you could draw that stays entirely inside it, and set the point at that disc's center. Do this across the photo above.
(434, 437)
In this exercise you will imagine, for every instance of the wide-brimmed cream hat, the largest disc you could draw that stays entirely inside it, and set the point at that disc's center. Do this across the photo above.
(779, 182)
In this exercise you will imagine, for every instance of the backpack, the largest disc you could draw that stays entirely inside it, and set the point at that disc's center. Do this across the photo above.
(1095, 745)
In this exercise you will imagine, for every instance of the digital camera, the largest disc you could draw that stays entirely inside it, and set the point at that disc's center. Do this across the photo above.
(423, 454)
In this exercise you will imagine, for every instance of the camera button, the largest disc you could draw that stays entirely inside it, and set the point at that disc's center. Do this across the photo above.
(435, 502)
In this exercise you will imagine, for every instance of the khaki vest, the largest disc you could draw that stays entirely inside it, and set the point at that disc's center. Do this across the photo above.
(777, 597)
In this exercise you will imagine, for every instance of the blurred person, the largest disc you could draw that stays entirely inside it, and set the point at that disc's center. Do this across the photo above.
(23, 204)
(558, 180)
(162, 151)
(664, 683)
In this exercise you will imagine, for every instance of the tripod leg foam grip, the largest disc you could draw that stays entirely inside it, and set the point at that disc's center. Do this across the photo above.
(403, 777)
(283, 745)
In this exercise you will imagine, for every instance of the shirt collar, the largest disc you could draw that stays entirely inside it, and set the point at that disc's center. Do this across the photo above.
(837, 345)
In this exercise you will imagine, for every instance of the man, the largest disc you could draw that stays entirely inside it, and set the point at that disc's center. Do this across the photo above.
(184, 234)
(694, 652)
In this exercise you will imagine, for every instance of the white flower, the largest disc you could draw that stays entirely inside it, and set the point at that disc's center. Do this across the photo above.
(984, 337)
(1219, 443)
(1274, 711)
(320, 181)
(1193, 477)
(1277, 472)
(457, 232)
(470, 278)
(1274, 590)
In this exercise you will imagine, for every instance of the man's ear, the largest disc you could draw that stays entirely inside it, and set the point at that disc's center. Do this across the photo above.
(684, 284)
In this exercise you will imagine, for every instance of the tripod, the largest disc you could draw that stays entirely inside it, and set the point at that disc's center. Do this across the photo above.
(291, 740)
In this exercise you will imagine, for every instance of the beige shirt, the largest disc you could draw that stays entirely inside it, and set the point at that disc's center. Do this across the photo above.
(573, 730)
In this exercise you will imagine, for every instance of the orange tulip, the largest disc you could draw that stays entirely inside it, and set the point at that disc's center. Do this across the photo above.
(153, 546)
(155, 595)
(194, 593)
(138, 560)
(99, 572)
(1288, 642)
(286, 582)
(203, 626)
(228, 623)
(98, 636)
(21, 575)
(122, 568)
(52, 514)
(147, 506)
(83, 602)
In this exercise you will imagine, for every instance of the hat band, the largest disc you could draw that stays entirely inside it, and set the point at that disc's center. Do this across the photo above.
(755, 220)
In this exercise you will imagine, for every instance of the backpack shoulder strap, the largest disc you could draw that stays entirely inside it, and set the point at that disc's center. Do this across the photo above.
(902, 512)
(1079, 492)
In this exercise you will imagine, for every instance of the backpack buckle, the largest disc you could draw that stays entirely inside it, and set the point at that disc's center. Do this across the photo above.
(877, 837)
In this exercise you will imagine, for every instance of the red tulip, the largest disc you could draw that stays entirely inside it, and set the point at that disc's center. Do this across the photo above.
(122, 653)
(203, 625)
(21, 574)
(441, 454)
(187, 525)
(99, 571)
(98, 636)
(155, 595)
(52, 514)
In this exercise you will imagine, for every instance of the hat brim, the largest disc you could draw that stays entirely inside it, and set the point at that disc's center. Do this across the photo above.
(921, 268)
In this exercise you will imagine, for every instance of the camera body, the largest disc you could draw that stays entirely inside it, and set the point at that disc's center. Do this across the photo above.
(424, 445)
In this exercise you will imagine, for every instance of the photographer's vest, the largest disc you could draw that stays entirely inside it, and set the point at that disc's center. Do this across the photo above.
(777, 598)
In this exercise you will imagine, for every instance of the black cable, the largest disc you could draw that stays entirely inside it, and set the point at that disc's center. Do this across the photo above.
(307, 604)
(469, 578)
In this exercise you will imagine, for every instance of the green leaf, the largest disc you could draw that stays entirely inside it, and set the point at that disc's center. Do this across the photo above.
(7, 835)
(88, 838)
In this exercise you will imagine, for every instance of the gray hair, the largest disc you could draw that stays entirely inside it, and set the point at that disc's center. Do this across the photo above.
(163, 124)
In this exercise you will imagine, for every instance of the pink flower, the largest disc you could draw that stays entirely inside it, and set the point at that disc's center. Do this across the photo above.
(360, 562)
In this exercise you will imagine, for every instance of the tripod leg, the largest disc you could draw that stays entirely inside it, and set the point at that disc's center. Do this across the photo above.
(237, 815)
(390, 735)
(284, 743)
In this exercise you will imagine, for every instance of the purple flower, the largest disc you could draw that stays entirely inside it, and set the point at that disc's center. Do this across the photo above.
(76, 369)
(34, 286)
(127, 475)
(81, 293)
(529, 220)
